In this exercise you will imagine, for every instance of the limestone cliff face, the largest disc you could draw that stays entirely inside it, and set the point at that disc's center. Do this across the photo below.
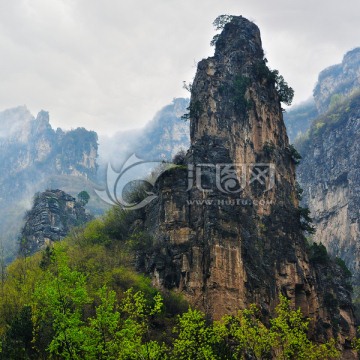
(52, 216)
(330, 176)
(221, 247)
(341, 79)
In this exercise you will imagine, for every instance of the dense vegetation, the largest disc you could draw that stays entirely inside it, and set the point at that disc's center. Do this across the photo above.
(82, 299)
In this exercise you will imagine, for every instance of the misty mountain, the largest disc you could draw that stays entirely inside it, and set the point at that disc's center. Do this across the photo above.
(35, 157)
(298, 119)
(165, 135)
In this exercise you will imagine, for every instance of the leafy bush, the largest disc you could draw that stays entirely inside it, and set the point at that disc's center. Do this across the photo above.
(262, 72)
(239, 89)
(269, 148)
(83, 197)
(180, 158)
(195, 110)
(347, 273)
(219, 24)
(319, 254)
(294, 154)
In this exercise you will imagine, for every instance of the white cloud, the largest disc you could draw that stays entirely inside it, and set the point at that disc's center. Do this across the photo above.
(111, 65)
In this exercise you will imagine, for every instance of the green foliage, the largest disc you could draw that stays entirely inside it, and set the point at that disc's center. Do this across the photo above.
(69, 320)
(240, 87)
(95, 233)
(195, 110)
(250, 337)
(286, 93)
(305, 220)
(195, 339)
(290, 340)
(59, 299)
(335, 101)
(246, 337)
(269, 148)
(219, 24)
(17, 342)
(299, 191)
(319, 254)
(83, 197)
(262, 72)
(341, 263)
(294, 155)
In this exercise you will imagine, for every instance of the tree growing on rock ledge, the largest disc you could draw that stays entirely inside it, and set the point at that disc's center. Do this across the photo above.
(83, 197)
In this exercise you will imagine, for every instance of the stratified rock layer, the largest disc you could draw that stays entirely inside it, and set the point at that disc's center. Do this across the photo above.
(224, 249)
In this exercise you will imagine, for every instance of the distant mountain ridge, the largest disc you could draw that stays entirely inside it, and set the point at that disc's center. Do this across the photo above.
(160, 139)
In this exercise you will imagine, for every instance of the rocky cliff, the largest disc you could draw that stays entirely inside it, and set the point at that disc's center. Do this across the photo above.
(226, 226)
(330, 176)
(329, 171)
(50, 219)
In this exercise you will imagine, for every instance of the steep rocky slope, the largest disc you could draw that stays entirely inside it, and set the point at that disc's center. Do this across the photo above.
(50, 219)
(227, 230)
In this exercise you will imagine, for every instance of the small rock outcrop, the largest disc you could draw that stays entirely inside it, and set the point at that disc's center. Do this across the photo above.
(227, 227)
(53, 215)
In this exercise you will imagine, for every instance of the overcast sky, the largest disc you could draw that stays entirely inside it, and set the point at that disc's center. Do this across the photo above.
(110, 65)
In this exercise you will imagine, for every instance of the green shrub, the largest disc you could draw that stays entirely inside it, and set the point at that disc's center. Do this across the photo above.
(319, 254)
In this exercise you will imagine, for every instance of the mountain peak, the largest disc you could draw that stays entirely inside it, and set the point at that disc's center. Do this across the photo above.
(239, 36)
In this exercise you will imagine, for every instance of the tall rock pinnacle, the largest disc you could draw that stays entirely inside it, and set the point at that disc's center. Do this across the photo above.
(227, 229)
